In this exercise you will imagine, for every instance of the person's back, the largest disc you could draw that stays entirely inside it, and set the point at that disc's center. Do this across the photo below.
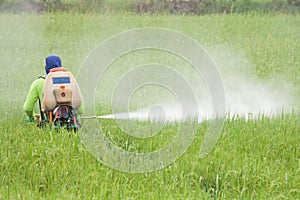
(60, 88)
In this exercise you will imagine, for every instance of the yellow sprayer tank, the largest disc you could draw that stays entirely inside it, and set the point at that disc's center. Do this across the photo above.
(60, 88)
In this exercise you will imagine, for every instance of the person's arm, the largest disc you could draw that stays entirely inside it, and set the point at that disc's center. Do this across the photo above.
(33, 95)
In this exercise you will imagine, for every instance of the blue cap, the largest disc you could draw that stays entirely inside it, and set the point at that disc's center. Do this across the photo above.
(52, 61)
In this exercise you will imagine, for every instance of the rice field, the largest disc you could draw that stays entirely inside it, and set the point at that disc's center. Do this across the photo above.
(255, 157)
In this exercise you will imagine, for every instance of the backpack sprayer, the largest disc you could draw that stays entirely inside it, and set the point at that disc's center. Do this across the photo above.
(61, 99)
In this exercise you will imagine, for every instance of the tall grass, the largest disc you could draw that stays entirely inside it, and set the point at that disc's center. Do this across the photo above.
(195, 7)
(253, 159)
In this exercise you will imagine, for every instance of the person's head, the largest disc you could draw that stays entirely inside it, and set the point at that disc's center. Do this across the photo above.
(52, 61)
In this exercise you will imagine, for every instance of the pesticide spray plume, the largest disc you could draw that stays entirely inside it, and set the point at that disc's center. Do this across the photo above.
(246, 95)
(156, 113)
(129, 115)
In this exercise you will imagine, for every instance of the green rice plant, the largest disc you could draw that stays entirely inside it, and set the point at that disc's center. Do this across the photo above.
(254, 158)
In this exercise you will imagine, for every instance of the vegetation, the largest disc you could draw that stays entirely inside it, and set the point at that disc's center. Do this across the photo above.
(254, 159)
(187, 7)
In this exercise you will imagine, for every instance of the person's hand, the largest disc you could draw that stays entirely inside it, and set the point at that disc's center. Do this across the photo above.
(29, 120)
(37, 117)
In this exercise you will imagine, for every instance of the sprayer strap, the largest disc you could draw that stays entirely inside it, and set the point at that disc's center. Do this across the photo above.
(44, 76)
(41, 113)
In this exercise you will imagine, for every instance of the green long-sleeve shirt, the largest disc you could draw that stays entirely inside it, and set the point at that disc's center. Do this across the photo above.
(35, 93)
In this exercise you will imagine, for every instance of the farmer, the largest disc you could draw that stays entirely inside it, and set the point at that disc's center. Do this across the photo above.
(35, 92)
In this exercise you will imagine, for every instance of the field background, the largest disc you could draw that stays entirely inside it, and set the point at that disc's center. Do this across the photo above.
(254, 159)
(198, 7)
